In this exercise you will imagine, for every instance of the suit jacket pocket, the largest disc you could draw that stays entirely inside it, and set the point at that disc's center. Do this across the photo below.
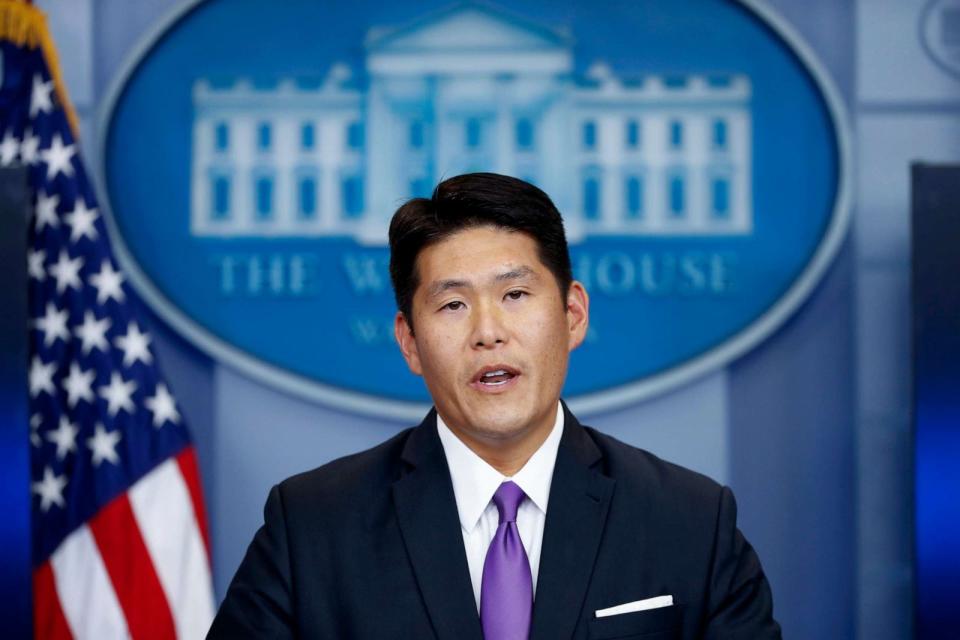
(666, 623)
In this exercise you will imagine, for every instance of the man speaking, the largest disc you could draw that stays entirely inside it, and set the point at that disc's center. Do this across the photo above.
(500, 516)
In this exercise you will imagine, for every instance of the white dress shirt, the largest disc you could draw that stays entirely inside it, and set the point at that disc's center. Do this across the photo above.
(475, 482)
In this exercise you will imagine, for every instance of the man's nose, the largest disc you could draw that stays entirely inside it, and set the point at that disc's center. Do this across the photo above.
(489, 328)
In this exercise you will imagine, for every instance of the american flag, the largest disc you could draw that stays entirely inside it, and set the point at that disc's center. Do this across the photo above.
(120, 542)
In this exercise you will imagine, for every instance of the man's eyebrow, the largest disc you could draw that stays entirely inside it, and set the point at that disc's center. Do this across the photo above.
(439, 286)
(516, 274)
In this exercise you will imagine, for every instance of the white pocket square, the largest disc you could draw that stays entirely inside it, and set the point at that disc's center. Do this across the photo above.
(636, 605)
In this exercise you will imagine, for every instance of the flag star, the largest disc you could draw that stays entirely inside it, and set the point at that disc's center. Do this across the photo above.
(9, 148)
(108, 282)
(29, 148)
(78, 384)
(67, 271)
(93, 332)
(57, 157)
(163, 407)
(117, 394)
(46, 212)
(50, 489)
(35, 264)
(35, 421)
(81, 221)
(40, 98)
(53, 324)
(103, 445)
(41, 376)
(65, 437)
(135, 345)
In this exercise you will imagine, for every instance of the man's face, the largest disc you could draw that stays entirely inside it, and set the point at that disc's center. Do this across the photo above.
(492, 333)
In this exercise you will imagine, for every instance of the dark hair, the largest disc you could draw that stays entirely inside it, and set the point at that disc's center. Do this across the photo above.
(474, 200)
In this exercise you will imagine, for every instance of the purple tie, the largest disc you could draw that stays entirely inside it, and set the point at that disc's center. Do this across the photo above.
(506, 594)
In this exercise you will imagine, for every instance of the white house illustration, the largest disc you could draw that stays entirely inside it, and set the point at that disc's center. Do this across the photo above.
(472, 88)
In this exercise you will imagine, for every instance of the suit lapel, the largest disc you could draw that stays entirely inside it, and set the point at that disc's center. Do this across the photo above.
(427, 514)
(579, 500)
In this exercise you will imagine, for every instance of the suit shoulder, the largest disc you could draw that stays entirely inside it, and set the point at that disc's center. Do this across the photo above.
(349, 479)
(640, 470)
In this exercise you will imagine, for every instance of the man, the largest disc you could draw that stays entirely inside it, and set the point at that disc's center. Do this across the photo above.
(500, 516)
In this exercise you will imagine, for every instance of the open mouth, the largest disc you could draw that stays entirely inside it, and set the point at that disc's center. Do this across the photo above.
(495, 376)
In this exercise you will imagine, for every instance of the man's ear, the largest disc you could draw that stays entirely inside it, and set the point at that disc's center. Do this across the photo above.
(403, 332)
(578, 314)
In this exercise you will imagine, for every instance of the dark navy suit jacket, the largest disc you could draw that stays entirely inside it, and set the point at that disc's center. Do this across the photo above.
(369, 546)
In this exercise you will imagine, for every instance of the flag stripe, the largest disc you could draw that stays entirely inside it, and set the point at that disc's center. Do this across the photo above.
(187, 459)
(49, 622)
(162, 506)
(132, 573)
(87, 597)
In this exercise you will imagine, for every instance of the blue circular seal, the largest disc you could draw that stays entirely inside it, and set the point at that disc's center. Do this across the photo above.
(254, 153)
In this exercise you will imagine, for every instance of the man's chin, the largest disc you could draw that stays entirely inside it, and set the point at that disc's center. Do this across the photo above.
(503, 424)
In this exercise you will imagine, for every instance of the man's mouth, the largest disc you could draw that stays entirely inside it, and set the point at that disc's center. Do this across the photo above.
(495, 376)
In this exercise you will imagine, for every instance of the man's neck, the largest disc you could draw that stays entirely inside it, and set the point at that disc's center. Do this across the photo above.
(508, 455)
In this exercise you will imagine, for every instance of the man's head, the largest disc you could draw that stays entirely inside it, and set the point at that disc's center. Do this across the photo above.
(483, 283)
(468, 201)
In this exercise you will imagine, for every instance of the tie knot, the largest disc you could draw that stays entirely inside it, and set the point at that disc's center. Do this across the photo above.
(508, 498)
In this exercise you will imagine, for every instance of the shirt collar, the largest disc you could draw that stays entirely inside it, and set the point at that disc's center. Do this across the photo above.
(475, 481)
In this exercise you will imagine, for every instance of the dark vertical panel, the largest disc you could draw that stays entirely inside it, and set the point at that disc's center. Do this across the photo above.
(792, 459)
(936, 397)
(15, 604)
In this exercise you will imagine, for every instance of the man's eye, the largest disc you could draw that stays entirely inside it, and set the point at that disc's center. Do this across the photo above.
(516, 295)
(453, 306)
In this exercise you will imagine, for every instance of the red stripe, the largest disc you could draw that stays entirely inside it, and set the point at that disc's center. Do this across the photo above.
(49, 623)
(191, 475)
(131, 571)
